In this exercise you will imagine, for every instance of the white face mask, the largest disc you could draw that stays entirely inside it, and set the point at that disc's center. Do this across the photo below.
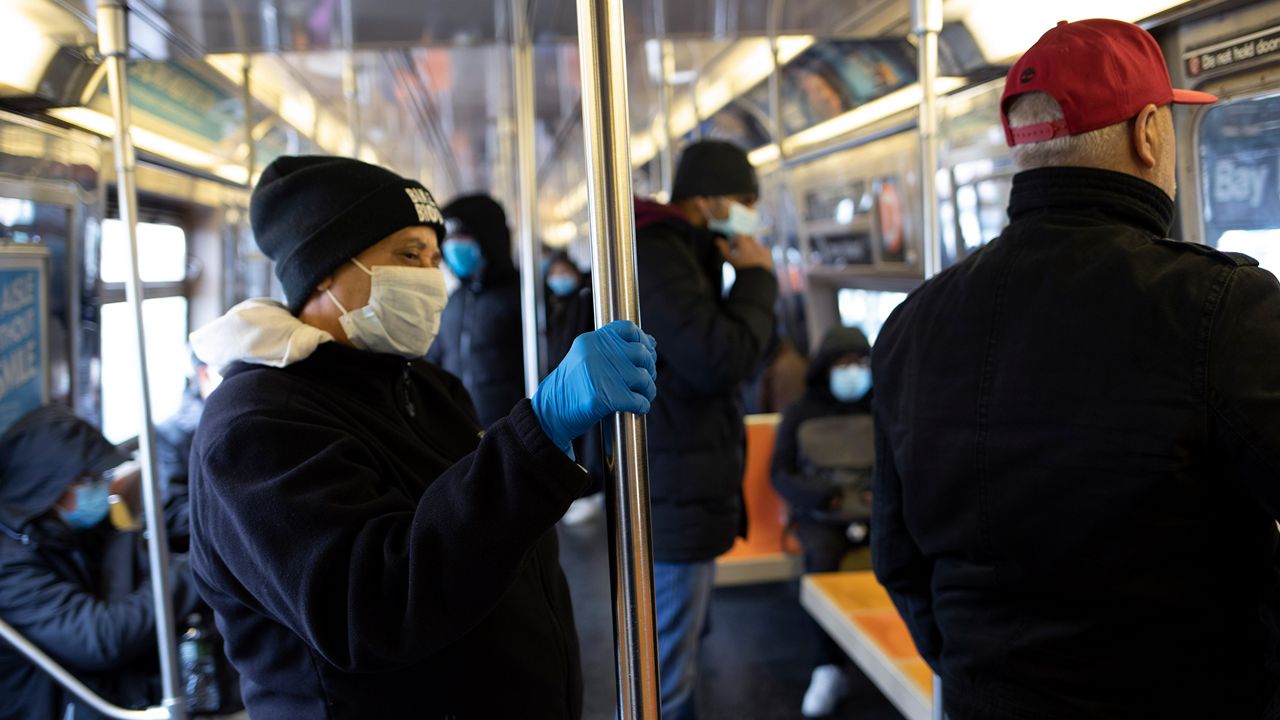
(742, 220)
(403, 314)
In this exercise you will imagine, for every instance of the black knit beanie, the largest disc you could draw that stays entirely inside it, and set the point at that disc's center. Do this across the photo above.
(709, 168)
(311, 213)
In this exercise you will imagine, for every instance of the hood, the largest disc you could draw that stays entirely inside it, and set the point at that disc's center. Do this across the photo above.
(838, 341)
(259, 331)
(481, 217)
(41, 455)
(650, 213)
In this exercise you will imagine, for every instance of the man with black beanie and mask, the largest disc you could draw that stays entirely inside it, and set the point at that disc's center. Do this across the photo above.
(712, 343)
(368, 549)
(480, 331)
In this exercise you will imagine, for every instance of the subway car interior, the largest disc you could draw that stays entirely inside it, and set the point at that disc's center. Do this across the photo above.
(880, 164)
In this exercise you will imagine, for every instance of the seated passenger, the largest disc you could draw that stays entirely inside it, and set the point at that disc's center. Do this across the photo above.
(369, 550)
(1078, 472)
(69, 582)
(822, 463)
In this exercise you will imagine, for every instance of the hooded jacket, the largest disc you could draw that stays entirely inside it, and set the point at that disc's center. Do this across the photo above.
(367, 552)
(710, 345)
(801, 480)
(480, 330)
(1076, 474)
(81, 596)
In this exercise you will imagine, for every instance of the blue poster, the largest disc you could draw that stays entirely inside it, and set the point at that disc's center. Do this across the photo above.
(22, 339)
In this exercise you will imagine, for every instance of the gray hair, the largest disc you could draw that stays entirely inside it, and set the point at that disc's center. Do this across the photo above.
(1092, 149)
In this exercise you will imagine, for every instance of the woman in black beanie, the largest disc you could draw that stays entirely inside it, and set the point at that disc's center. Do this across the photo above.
(368, 550)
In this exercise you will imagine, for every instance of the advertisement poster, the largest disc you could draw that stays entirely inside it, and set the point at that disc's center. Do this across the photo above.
(24, 310)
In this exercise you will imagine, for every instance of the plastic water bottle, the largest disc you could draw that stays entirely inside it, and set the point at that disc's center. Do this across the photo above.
(199, 668)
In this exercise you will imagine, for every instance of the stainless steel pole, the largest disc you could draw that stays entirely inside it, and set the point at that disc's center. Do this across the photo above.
(114, 46)
(666, 98)
(926, 22)
(350, 76)
(526, 185)
(605, 122)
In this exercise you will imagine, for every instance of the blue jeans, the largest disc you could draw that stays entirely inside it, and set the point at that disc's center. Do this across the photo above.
(682, 599)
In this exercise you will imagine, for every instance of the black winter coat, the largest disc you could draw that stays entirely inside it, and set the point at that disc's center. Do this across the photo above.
(82, 597)
(806, 489)
(708, 346)
(480, 337)
(1077, 470)
(368, 555)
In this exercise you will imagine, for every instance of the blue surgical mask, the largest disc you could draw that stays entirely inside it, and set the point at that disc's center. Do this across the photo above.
(850, 382)
(464, 257)
(562, 285)
(742, 220)
(91, 506)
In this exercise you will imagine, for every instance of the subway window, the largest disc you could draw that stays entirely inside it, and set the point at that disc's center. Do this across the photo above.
(1240, 164)
(162, 264)
(867, 309)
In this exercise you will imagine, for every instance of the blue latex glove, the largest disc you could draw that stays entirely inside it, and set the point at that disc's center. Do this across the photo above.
(609, 370)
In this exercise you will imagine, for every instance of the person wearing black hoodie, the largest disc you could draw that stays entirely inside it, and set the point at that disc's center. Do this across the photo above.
(822, 460)
(369, 549)
(712, 343)
(69, 582)
(480, 332)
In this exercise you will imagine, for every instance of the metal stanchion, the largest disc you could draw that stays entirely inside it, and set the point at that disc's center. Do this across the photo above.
(114, 46)
(527, 172)
(605, 120)
(926, 23)
(666, 98)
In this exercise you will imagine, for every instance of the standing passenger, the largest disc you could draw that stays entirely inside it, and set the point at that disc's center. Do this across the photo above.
(369, 550)
(711, 343)
(480, 332)
(1077, 474)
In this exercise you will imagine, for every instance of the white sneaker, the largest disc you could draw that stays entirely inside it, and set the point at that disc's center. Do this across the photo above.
(584, 509)
(827, 688)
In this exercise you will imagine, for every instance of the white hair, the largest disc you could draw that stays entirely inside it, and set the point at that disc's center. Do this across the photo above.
(1097, 148)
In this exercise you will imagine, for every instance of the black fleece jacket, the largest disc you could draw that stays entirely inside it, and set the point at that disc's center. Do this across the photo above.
(708, 345)
(1076, 471)
(368, 555)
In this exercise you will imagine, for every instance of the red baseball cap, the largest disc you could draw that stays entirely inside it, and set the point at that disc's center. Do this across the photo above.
(1100, 71)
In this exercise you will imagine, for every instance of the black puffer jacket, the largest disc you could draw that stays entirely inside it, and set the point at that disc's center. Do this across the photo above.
(480, 331)
(82, 597)
(1077, 475)
(708, 346)
(368, 555)
(803, 483)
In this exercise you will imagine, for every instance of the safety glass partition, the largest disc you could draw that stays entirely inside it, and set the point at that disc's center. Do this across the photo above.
(1240, 167)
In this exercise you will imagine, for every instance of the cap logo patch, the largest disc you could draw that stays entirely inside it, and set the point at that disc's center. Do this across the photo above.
(425, 205)
(1027, 75)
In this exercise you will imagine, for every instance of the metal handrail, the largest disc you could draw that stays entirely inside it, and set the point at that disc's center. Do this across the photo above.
(113, 44)
(69, 681)
(606, 125)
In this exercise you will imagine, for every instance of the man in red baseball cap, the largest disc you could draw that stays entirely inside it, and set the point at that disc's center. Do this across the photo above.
(1078, 455)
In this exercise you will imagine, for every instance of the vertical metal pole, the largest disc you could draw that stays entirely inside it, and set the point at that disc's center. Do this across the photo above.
(251, 157)
(350, 78)
(926, 23)
(666, 98)
(114, 46)
(605, 121)
(527, 171)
